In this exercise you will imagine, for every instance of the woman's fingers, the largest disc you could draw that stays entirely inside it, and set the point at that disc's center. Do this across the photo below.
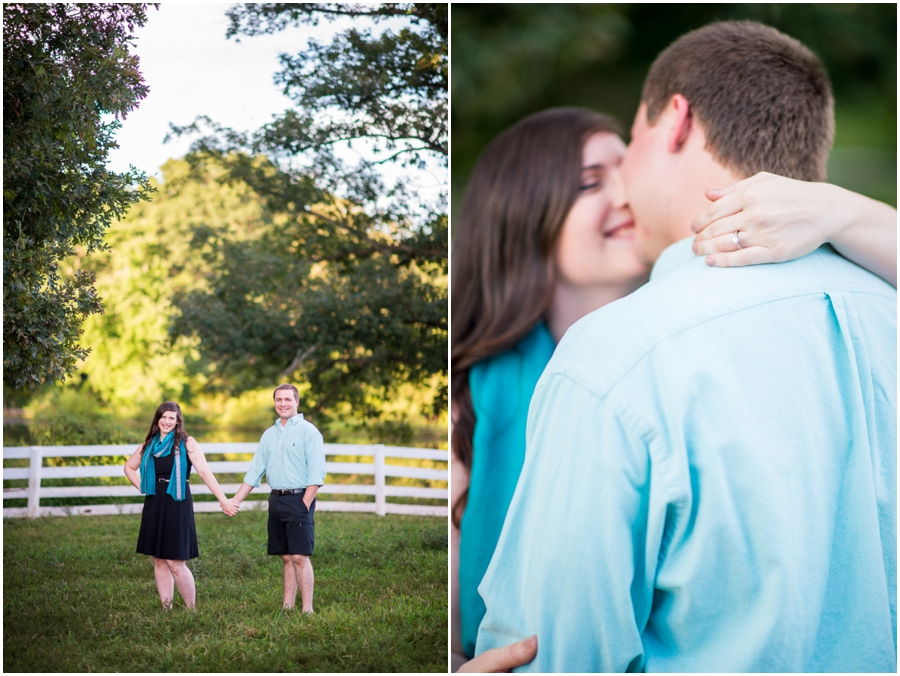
(716, 218)
(502, 659)
(722, 243)
(754, 255)
(721, 208)
(726, 201)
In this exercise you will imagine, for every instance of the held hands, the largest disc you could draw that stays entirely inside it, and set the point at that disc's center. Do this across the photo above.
(500, 660)
(777, 219)
(229, 507)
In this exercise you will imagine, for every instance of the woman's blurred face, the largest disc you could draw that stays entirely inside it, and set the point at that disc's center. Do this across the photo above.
(596, 243)
(167, 422)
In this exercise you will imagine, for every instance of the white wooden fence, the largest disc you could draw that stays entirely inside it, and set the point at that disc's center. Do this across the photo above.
(36, 472)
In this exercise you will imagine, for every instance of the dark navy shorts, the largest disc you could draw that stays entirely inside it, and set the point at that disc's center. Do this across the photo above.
(291, 525)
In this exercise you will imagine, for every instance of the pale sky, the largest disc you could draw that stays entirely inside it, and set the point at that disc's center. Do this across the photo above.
(193, 70)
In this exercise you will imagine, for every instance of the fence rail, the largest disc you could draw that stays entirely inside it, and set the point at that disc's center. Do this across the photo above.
(36, 472)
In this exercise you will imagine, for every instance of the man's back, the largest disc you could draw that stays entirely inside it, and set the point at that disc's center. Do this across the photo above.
(710, 479)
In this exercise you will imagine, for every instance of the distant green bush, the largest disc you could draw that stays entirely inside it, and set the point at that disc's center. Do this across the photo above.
(72, 429)
(392, 432)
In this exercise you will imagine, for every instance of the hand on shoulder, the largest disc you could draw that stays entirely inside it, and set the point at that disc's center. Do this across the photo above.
(776, 218)
(772, 219)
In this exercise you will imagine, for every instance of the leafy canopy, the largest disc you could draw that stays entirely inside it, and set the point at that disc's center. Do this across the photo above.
(391, 89)
(68, 81)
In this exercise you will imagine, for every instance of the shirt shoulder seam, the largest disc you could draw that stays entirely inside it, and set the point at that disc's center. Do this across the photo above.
(603, 390)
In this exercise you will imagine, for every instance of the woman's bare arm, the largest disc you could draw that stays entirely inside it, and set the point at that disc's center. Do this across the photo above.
(132, 465)
(198, 460)
(779, 219)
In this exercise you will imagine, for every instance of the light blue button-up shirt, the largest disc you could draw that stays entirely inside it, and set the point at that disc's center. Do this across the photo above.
(710, 479)
(292, 456)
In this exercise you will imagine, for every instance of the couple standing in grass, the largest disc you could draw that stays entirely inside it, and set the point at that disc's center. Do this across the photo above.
(291, 454)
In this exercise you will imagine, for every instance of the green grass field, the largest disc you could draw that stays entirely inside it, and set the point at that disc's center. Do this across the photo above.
(76, 598)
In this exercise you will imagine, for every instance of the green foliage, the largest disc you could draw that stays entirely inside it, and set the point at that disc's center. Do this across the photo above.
(380, 598)
(71, 417)
(394, 432)
(208, 254)
(510, 60)
(251, 410)
(160, 250)
(68, 80)
(67, 429)
(74, 400)
(391, 88)
(170, 249)
(404, 415)
(344, 287)
(282, 305)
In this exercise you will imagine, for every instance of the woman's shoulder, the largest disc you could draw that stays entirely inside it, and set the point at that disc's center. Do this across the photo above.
(500, 383)
(191, 444)
(528, 357)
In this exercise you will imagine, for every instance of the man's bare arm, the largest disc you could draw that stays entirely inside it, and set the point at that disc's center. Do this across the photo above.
(309, 495)
(242, 493)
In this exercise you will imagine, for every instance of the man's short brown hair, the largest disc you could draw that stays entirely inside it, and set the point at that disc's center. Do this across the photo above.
(763, 99)
(287, 386)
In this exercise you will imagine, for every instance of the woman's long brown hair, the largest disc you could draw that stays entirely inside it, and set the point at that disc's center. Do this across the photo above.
(517, 199)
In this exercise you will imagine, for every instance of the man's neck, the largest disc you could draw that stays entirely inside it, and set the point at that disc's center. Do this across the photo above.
(699, 172)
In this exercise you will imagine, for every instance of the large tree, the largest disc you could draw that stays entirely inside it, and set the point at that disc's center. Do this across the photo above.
(345, 289)
(68, 80)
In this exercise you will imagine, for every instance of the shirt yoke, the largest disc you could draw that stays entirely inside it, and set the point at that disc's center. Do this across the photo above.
(632, 328)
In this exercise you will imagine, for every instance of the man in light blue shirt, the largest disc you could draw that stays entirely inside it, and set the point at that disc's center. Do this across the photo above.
(710, 476)
(291, 454)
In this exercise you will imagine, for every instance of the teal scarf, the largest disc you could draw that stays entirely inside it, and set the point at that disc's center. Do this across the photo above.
(160, 448)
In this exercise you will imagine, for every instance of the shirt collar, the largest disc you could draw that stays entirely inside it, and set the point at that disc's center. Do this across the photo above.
(291, 421)
(673, 257)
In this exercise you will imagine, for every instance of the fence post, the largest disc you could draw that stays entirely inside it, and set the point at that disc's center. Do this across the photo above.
(34, 482)
(380, 503)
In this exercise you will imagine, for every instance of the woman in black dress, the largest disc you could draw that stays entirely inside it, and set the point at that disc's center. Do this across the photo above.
(167, 532)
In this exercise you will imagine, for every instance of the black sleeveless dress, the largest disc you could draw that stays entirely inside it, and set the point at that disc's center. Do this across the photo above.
(167, 527)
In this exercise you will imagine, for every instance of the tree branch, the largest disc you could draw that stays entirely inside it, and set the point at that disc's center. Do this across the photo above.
(378, 246)
(299, 358)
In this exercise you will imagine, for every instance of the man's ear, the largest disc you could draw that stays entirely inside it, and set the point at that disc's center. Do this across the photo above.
(680, 122)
